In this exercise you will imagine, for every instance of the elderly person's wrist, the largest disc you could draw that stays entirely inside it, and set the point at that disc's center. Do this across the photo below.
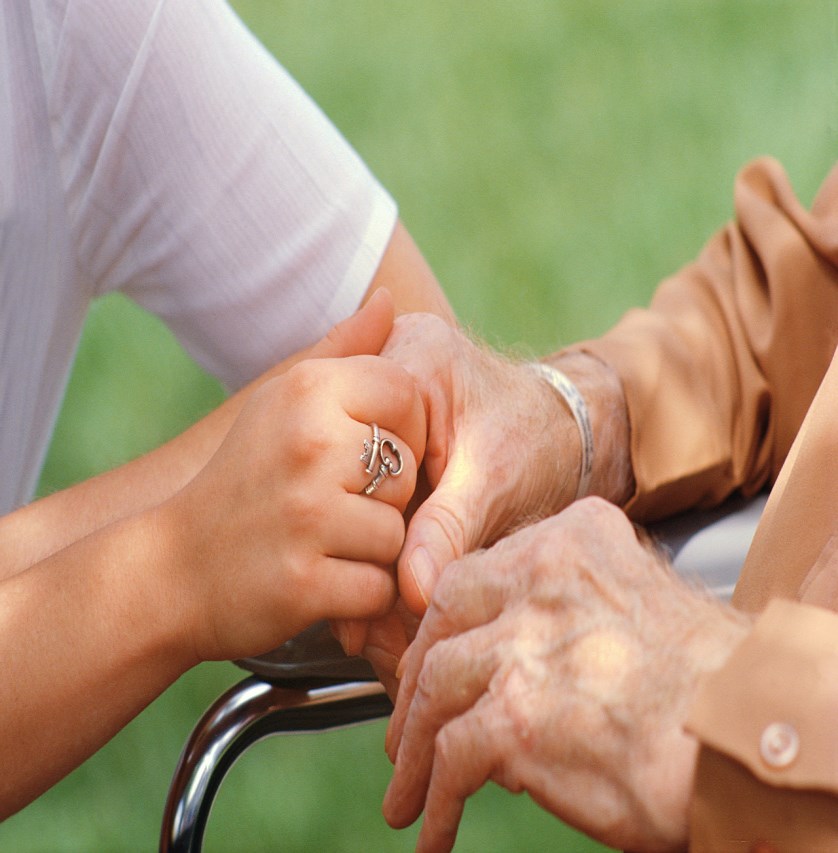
(602, 438)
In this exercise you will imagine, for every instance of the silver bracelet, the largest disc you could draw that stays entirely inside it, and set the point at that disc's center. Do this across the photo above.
(576, 402)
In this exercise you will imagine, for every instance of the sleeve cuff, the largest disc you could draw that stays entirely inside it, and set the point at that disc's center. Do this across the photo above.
(772, 706)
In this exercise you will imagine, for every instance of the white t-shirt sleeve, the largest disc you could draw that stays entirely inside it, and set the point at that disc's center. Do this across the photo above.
(202, 182)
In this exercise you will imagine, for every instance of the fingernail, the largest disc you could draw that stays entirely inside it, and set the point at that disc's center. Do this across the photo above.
(341, 631)
(402, 665)
(392, 739)
(385, 802)
(388, 737)
(422, 569)
(389, 803)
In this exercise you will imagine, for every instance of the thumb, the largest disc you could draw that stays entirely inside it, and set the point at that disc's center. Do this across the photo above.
(364, 333)
(436, 536)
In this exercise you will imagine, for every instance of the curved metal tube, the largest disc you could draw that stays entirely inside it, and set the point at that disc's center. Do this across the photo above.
(248, 712)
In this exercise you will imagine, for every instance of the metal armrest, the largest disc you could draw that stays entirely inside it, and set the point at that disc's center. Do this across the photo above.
(252, 710)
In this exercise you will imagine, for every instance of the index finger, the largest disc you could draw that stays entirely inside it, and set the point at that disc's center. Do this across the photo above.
(455, 675)
(471, 592)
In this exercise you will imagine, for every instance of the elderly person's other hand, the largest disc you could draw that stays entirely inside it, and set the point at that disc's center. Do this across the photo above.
(561, 662)
(503, 448)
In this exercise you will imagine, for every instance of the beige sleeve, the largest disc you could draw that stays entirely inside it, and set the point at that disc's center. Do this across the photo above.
(768, 765)
(720, 369)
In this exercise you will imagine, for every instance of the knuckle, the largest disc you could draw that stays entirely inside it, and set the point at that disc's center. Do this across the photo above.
(586, 521)
(381, 593)
(434, 681)
(310, 445)
(589, 509)
(303, 378)
(426, 683)
(445, 748)
(525, 719)
(309, 437)
(541, 556)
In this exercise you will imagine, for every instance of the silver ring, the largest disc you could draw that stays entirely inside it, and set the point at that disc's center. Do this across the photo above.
(393, 468)
(377, 480)
(370, 454)
(391, 464)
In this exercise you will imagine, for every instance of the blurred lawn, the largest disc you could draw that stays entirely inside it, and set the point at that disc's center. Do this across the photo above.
(553, 160)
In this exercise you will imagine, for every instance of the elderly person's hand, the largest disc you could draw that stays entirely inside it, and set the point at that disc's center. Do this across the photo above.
(503, 448)
(560, 662)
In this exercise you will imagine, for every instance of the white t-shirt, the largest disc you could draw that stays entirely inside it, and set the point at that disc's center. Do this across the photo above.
(154, 147)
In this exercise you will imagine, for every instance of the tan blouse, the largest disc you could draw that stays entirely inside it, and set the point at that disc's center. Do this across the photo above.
(731, 378)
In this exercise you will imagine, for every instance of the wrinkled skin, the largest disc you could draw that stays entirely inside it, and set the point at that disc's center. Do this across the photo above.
(497, 454)
(501, 452)
(560, 662)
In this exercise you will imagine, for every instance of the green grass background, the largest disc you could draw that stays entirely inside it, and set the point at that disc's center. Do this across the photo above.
(553, 159)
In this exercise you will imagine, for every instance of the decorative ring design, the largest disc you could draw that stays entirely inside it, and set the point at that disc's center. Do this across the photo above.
(391, 464)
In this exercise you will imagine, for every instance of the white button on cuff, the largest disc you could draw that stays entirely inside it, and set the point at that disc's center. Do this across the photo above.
(779, 745)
